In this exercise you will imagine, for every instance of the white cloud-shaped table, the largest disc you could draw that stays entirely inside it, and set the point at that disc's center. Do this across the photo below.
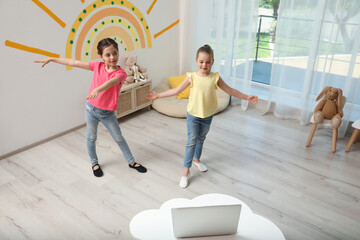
(157, 223)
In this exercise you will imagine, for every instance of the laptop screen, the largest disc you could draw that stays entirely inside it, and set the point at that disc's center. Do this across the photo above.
(205, 220)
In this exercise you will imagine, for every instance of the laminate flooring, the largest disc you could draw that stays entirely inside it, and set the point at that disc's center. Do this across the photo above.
(49, 192)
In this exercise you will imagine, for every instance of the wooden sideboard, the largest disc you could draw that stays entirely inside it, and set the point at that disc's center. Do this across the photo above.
(132, 97)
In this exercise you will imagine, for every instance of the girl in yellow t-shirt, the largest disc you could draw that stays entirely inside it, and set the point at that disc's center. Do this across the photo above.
(202, 106)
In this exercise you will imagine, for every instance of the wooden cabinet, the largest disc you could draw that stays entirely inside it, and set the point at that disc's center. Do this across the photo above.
(132, 97)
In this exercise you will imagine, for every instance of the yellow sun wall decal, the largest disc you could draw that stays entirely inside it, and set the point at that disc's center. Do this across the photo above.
(118, 19)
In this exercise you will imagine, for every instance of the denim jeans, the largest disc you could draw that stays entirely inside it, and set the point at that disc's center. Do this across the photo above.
(95, 115)
(197, 128)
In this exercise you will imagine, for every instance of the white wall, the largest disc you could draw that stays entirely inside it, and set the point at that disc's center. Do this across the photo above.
(194, 32)
(36, 103)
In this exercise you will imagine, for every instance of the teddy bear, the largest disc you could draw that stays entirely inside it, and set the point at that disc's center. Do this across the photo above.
(135, 73)
(329, 107)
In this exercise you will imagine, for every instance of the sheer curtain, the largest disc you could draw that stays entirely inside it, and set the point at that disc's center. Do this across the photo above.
(229, 27)
(317, 45)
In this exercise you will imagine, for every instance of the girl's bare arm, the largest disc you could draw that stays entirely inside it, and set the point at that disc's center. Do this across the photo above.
(171, 92)
(235, 93)
(106, 85)
(64, 61)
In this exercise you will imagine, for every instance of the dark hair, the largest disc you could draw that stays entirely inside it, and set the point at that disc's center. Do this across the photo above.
(105, 43)
(205, 49)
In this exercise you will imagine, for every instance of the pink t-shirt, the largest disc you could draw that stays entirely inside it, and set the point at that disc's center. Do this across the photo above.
(106, 100)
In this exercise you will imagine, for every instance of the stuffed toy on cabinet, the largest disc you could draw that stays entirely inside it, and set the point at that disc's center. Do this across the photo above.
(134, 72)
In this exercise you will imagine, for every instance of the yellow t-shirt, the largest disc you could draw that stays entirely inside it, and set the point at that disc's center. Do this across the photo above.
(202, 100)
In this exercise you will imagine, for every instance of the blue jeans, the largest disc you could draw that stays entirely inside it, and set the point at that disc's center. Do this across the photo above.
(197, 128)
(95, 115)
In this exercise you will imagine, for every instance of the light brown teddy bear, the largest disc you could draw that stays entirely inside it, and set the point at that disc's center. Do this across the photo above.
(330, 107)
(130, 62)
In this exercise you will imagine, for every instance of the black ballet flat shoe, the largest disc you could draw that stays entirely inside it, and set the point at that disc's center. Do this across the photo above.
(98, 172)
(139, 168)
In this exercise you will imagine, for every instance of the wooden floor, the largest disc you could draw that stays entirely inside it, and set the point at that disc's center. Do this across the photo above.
(49, 192)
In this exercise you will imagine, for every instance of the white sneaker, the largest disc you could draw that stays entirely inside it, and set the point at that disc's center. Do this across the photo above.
(200, 166)
(184, 181)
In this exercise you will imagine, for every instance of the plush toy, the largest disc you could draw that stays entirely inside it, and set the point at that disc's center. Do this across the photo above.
(134, 72)
(137, 75)
(329, 107)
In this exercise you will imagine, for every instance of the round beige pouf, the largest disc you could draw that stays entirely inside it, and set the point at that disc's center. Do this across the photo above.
(173, 107)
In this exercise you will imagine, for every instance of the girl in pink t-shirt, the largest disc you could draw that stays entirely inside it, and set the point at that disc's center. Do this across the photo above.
(102, 100)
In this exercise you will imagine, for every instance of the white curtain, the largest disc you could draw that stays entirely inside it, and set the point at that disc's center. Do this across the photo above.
(229, 27)
(317, 45)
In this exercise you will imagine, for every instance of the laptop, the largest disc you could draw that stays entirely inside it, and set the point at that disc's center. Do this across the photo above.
(205, 220)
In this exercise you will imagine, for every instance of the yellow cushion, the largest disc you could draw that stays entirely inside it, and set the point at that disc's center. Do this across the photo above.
(175, 81)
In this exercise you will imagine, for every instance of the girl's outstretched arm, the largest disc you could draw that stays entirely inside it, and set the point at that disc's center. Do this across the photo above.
(235, 93)
(64, 61)
(171, 92)
(106, 85)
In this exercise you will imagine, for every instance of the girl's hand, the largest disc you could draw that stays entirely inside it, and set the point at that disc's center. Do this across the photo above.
(43, 61)
(253, 99)
(152, 96)
(94, 94)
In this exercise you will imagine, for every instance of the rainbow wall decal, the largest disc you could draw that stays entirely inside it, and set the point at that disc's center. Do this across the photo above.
(118, 19)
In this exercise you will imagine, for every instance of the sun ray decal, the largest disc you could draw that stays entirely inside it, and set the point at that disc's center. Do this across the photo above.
(151, 7)
(50, 13)
(167, 28)
(30, 49)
